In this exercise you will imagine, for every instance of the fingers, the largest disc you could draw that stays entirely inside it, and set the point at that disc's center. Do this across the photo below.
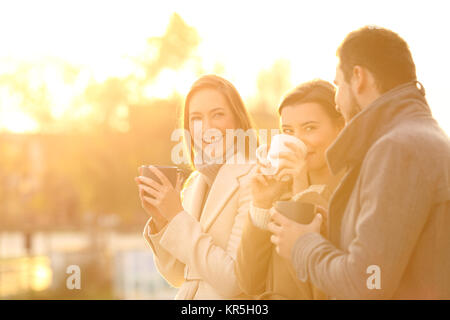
(274, 228)
(285, 167)
(153, 202)
(277, 249)
(277, 217)
(260, 178)
(321, 210)
(261, 166)
(286, 172)
(151, 206)
(143, 189)
(263, 162)
(275, 240)
(150, 182)
(261, 153)
(323, 229)
(161, 176)
(317, 222)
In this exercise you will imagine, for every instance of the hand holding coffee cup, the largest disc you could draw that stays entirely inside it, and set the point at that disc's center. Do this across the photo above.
(299, 212)
(266, 189)
(159, 187)
(171, 172)
(286, 152)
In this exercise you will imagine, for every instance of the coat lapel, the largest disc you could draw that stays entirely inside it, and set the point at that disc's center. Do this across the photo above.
(338, 204)
(222, 189)
(193, 196)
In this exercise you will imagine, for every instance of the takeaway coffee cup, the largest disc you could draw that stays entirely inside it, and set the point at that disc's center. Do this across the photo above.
(298, 211)
(268, 157)
(170, 172)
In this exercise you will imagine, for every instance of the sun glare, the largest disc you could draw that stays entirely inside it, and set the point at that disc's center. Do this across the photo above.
(170, 82)
(12, 118)
(18, 122)
(41, 274)
(104, 40)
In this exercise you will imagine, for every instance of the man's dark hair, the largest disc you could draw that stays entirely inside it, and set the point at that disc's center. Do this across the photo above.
(383, 52)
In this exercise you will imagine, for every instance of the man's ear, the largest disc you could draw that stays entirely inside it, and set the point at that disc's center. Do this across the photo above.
(359, 79)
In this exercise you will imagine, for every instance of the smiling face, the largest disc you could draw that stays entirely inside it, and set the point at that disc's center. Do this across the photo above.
(209, 108)
(310, 123)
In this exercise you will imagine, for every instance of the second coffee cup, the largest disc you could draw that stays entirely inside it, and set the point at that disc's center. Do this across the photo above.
(268, 157)
(298, 211)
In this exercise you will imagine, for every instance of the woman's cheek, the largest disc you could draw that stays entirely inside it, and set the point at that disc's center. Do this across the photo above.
(222, 126)
(313, 141)
(318, 146)
(330, 137)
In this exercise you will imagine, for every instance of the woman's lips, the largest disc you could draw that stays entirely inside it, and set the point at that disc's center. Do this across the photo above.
(213, 140)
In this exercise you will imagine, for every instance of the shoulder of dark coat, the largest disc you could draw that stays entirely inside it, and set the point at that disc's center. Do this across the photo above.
(421, 144)
(419, 137)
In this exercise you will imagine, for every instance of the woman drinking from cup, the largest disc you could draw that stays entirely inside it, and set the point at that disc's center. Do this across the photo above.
(307, 113)
(194, 235)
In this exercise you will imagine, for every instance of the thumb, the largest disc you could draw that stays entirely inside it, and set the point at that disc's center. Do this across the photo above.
(317, 222)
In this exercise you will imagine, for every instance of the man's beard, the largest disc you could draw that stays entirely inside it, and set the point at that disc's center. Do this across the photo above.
(353, 109)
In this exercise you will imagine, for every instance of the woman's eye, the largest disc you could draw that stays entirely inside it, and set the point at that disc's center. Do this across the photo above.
(218, 115)
(288, 131)
(310, 128)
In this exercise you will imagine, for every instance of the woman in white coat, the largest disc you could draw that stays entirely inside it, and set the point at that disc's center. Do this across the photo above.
(195, 233)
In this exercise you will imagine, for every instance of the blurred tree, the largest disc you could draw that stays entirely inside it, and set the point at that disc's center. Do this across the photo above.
(272, 85)
(106, 98)
(26, 86)
(92, 150)
(174, 48)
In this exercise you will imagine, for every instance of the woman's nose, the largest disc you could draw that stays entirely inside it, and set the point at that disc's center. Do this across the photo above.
(209, 130)
(206, 126)
(299, 137)
(303, 139)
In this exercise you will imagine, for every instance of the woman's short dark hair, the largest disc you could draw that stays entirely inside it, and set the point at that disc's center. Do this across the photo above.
(318, 91)
(383, 52)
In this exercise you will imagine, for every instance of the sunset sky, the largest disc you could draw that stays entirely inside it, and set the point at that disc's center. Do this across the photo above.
(239, 39)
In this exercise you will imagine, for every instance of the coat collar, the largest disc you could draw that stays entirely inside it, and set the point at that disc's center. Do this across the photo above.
(222, 189)
(224, 186)
(373, 122)
(192, 193)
